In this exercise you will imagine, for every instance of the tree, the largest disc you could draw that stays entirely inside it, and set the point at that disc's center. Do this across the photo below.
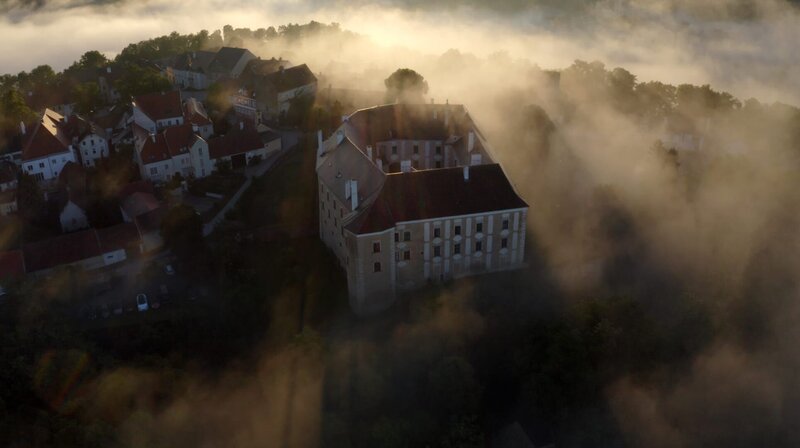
(32, 206)
(452, 387)
(138, 81)
(87, 97)
(405, 86)
(13, 109)
(90, 59)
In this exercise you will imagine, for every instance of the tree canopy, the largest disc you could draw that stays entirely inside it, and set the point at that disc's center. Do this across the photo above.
(405, 86)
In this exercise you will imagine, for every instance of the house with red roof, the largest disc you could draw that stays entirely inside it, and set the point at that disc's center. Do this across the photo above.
(411, 194)
(48, 148)
(238, 147)
(89, 249)
(195, 114)
(163, 155)
(153, 112)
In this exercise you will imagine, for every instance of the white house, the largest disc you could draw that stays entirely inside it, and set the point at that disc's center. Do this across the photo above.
(271, 94)
(195, 114)
(167, 153)
(88, 139)
(190, 70)
(72, 190)
(48, 148)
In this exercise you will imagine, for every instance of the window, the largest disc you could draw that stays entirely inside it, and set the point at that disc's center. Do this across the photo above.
(407, 255)
(376, 267)
(416, 149)
(394, 150)
(437, 251)
(478, 246)
(329, 213)
(479, 227)
(41, 164)
(505, 224)
(438, 164)
(30, 167)
(504, 243)
(376, 247)
(437, 232)
(456, 249)
(457, 230)
(438, 150)
(396, 237)
(406, 236)
(154, 170)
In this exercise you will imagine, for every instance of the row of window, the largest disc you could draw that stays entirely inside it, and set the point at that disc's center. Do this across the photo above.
(415, 149)
(437, 252)
(437, 233)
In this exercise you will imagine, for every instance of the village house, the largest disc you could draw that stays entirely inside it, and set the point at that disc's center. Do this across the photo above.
(153, 112)
(228, 63)
(195, 114)
(48, 148)
(264, 96)
(164, 154)
(90, 140)
(72, 198)
(410, 194)
(239, 147)
(189, 70)
(89, 249)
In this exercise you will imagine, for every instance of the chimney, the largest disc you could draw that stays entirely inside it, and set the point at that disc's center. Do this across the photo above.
(380, 164)
(344, 118)
(466, 173)
(153, 137)
(353, 194)
(280, 69)
(471, 141)
(319, 143)
(369, 151)
(447, 112)
(108, 69)
(241, 125)
(339, 137)
(22, 127)
(66, 118)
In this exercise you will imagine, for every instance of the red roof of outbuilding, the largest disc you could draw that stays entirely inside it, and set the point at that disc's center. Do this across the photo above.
(235, 142)
(47, 138)
(61, 250)
(121, 236)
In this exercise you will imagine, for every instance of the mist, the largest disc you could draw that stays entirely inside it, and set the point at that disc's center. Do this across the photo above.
(610, 215)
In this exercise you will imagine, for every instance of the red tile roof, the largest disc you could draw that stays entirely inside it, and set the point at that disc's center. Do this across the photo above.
(170, 142)
(237, 141)
(160, 105)
(65, 249)
(12, 265)
(47, 138)
(438, 193)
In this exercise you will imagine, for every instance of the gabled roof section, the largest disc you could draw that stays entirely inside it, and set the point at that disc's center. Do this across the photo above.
(344, 162)
(47, 138)
(160, 105)
(227, 58)
(237, 141)
(290, 78)
(139, 203)
(194, 61)
(439, 193)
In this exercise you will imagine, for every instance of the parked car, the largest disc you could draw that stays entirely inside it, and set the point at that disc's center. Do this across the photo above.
(104, 310)
(169, 269)
(141, 302)
(118, 308)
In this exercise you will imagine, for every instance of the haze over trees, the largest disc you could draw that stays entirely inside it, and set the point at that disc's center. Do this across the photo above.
(405, 86)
